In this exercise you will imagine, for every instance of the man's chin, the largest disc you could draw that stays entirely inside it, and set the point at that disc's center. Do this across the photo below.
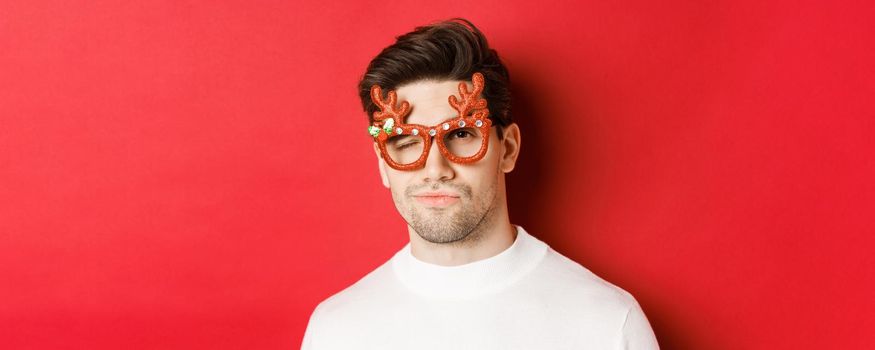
(444, 212)
(440, 215)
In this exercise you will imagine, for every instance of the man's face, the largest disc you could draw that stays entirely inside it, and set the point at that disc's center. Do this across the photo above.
(444, 201)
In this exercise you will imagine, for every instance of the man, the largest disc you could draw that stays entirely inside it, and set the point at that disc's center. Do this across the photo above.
(438, 102)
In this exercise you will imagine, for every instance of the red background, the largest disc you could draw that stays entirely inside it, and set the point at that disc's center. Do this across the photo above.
(197, 174)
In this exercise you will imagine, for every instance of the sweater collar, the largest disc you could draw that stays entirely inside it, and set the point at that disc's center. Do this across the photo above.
(472, 279)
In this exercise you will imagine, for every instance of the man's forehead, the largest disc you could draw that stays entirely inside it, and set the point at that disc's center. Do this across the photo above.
(428, 100)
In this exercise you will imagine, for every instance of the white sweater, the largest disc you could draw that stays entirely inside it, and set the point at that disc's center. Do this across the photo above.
(526, 297)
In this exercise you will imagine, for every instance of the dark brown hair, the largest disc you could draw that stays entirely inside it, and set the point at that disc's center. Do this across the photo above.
(448, 50)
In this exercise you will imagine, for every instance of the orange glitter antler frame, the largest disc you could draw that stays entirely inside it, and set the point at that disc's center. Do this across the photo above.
(472, 114)
(387, 108)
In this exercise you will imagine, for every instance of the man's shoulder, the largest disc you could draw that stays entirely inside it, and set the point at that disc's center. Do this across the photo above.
(570, 280)
(368, 292)
(351, 306)
(589, 297)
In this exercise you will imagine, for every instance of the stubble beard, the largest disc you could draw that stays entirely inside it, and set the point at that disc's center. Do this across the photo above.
(458, 224)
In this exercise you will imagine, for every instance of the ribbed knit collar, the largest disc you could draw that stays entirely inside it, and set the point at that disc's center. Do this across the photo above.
(472, 279)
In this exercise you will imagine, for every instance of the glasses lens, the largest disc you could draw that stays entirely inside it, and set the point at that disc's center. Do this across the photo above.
(405, 149)
(463, 142)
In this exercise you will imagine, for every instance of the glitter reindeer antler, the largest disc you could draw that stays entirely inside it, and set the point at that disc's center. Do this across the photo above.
(470, 101)
(388, 114)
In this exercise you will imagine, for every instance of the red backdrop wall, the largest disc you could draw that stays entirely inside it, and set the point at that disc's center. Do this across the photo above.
(182, 175)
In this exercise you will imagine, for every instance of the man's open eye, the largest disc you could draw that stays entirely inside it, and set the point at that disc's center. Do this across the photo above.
(461, 134)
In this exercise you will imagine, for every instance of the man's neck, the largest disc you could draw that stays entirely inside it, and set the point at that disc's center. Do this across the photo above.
(485, 242)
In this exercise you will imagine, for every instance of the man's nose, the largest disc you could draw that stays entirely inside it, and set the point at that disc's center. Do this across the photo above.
(437, 167)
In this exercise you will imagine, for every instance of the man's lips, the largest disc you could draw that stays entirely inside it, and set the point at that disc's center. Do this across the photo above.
(437, 199)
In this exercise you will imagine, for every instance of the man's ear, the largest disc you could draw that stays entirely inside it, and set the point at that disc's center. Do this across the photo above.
(510, 146)
(381, 165)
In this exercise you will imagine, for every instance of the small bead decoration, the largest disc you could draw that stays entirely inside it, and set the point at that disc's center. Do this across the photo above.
(387, 126)
(415, 132)
(446, 126)
(432, 132)
(479, 123)
(398, 131)
(461, 123)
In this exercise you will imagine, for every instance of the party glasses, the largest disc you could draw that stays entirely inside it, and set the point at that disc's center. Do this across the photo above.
(463, 139)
